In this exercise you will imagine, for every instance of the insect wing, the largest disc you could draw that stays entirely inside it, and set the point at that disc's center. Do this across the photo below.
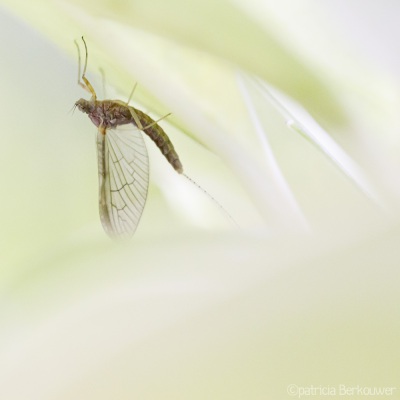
(123, 180)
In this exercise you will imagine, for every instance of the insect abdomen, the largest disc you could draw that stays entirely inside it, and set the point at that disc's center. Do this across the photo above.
(160, 138)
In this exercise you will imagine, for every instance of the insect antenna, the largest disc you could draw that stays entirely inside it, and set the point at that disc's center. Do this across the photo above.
(219, 205)
(72, 110)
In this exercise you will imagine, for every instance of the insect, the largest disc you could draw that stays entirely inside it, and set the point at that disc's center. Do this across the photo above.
(122, 157)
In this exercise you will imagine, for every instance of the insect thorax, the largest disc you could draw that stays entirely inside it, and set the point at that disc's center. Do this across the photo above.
(106, 113)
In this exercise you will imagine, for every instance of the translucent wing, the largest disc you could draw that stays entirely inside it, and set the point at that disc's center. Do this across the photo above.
(123, 180)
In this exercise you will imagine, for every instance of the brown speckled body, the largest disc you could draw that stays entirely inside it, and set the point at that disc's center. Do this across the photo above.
(108, 114)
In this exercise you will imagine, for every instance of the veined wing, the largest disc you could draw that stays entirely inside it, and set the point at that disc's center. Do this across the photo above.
(123, 180)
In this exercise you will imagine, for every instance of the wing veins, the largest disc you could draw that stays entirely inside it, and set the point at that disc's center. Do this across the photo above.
(125, 170)
(126, 182)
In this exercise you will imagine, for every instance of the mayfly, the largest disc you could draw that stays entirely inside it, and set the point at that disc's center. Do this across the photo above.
(122, 157)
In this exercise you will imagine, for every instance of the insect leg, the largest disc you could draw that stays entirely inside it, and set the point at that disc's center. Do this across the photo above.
(103, 82)
(139, 123)
(130, 96)
(136, 118)
(80, 83)
(156, 122)
(132, 110)
(85, 84)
